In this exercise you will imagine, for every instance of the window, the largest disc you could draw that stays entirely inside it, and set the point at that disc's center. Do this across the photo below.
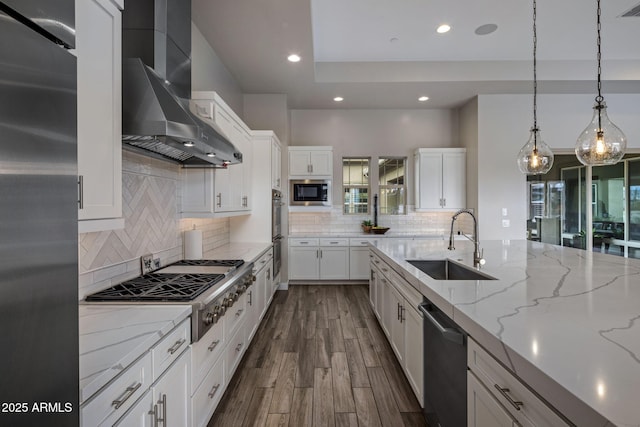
(392, 187)
(355, 183)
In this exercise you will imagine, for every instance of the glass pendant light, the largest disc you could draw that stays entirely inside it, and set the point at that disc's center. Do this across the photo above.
(535, 158)
(602, 142)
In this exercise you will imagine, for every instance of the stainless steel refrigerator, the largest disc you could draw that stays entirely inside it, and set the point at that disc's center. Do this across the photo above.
(38, 215)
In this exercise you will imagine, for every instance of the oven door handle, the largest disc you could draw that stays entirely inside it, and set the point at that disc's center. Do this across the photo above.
(450, 334)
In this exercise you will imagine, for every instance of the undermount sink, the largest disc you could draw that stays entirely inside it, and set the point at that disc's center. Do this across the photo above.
(445, 269)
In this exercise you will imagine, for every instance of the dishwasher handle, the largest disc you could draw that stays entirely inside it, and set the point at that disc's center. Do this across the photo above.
(450, 334)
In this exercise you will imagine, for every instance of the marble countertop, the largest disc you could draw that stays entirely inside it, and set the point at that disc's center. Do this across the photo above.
(248, 251)
(388, 234)
(114, 336)
(566, 321)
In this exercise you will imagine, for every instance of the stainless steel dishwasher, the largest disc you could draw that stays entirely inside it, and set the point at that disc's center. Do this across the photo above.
(445, 369)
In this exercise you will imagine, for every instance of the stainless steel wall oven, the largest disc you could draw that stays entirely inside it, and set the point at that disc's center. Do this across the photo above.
(276, 230)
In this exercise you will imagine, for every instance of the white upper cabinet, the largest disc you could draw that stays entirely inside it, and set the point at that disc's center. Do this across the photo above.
(99, 52)
(440, 178)
(276, 164)
(219, 192)
(312, 161)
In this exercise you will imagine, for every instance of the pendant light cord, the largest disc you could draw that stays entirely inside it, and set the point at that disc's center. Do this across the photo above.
(535, 80)
(599, 98)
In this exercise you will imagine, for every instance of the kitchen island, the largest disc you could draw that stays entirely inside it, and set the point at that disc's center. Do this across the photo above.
(565, 321)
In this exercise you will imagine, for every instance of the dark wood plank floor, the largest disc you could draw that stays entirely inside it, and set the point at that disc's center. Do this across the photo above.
(319, 358)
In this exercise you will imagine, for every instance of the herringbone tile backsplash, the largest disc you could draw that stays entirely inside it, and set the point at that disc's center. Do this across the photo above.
(150, 200)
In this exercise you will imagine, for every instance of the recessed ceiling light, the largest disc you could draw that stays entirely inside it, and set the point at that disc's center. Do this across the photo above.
(423, 98)
(338, 99)
(294, 58)
(485, 29)
(444, 28)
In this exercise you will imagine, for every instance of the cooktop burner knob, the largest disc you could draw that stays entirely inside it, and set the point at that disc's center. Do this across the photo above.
(241, 289)
(212, 317)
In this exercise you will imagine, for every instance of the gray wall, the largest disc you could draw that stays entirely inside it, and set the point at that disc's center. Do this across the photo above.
(374, 133)
(469, 139)
(209, 73)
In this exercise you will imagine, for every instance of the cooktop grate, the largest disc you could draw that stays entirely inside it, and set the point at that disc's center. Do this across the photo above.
(159, 287)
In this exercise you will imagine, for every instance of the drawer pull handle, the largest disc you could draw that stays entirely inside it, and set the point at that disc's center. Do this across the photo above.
(213, 345)
(503, 391)
(125, 396)
(333, 243)
(239, 346)
(263, 261)
(239, 312)
(214, 390)
(304, 243)
(176, 346)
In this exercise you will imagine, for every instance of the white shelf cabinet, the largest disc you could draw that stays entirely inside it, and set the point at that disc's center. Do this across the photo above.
(99, 68)
(318, 259)
(440, 179)
(311, 162)
(219, 192)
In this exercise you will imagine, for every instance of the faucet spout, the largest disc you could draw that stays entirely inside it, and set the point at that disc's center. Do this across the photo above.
(477, 255)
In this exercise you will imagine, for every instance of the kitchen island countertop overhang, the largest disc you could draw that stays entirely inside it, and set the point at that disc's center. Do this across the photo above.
(566, 321)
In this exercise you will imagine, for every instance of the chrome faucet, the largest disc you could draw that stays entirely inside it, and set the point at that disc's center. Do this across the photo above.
(478, 260)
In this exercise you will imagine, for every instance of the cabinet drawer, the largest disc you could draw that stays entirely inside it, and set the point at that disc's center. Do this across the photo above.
(205, 352)
(523, 405)
(303, 242)
(116, 398)
(207, 396)
(361, 242)
(171, 346)
(234, 315)
(234, 350)
(334, 242)
(264, 260)
(408, 292)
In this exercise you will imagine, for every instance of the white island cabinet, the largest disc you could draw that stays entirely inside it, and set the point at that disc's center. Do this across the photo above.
(98, 49)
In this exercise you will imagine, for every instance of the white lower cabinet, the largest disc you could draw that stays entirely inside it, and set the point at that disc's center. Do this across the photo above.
(483, 410)
(141, 414)
(168, 400)
(413, 357)
(359, 258)
(396, 328)
(495, 395)
(318, 259)
(208, 395)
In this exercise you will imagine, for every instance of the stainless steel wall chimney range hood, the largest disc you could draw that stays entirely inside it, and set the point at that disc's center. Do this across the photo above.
(157, 116)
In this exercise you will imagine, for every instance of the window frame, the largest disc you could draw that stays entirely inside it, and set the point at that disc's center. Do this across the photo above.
(402, 187)
(356, 186)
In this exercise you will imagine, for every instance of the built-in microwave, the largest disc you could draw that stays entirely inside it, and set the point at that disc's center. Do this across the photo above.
(310, 192)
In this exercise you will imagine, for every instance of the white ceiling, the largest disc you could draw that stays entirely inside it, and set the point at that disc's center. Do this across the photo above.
(386, 53)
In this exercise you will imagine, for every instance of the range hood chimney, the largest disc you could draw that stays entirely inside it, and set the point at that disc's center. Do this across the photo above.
(157, 116)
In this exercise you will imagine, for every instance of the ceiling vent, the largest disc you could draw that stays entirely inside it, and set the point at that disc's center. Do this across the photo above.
(633, 12)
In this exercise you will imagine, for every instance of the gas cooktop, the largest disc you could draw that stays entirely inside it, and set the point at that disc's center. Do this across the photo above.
(181, 281)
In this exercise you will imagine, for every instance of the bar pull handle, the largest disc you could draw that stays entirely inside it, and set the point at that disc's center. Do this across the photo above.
(239, 347)
(504, 392)
(125, 396)
(239, 312)
(214, 390)
(176, 346)
(80, 192)
(154, 415)
(219, 197)
(213, 345)
(250, 298)
(163, 402)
